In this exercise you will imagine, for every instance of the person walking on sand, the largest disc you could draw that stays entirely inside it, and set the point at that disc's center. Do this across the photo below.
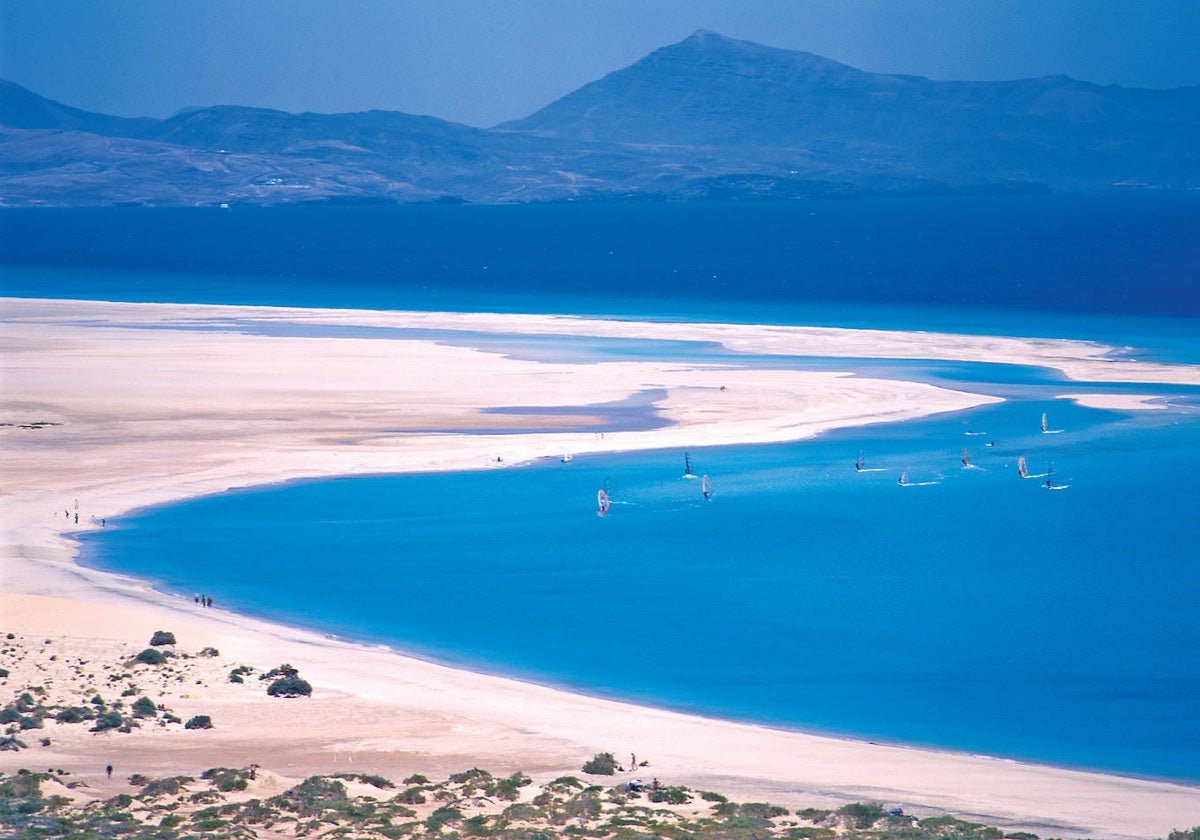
(108, 770)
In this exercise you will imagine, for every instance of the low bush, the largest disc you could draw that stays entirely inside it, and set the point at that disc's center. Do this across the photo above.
(411, 796)
(209, 651)
(106, 721)
(290, 686)
(199, 722)
(601, 764)
(862, 814)
(150, 656)
(162, 637)
(674, 795)
(74, 714)
(144, 707)
(226, 779)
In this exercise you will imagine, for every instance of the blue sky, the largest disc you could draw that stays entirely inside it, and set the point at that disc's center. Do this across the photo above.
(484, 61)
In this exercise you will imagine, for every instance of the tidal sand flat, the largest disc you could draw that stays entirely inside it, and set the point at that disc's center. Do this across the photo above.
(113, 407)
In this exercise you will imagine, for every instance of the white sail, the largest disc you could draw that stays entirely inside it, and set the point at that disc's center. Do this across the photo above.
(602, 502)
(1022, 468)
(966, 459)
(706, 487)
(1045, 428)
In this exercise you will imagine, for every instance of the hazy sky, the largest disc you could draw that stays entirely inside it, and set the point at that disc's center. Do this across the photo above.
(484, 61)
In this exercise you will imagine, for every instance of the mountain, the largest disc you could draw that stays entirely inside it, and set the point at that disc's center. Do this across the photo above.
(707, 118)
(809, 113)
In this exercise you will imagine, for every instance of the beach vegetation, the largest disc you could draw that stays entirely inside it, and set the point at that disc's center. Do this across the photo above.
(411, 796)
(74, 714)
(670, 794)
(199, 722)
(862, 814)
(226, 779)
(150, 656)
(162, 637)
(3, 673)
(290, 686)
(601, 764)
(321, 806)
(813, 832)
(157, 788)
(444, 815)
(946, 826)
(210, 652)
(144, 707)
(367, 779)
(416, 779)
(814, 814)
(108, 720)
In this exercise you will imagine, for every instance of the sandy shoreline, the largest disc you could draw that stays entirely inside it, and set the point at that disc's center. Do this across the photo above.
(126, 405)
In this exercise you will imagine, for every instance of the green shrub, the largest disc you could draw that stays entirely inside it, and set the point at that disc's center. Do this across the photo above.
(761, 809)
(863, 814)
(416, 779)
(170, 786)
(162, 637)
(209, 651)
(601, 764)
(441, 817)
(144, 707)
(107, 720)
(673, 795)
(411, 796)
(290, 686)
(226, 779)
(74, 714)
(199, 722)
(150, 656)
(3, 672)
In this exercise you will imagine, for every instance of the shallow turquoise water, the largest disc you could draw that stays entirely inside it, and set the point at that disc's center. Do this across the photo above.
(971, 610)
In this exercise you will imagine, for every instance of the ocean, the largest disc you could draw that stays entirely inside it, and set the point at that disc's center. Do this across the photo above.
(969, 609)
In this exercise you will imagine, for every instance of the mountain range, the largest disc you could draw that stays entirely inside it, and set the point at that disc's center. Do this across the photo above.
(709, 117)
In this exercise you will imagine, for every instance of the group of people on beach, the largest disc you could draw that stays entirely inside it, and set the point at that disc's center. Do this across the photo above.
(203, 600)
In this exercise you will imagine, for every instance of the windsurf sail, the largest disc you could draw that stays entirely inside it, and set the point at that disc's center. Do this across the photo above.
(602, 502)
(687, 465)
(1022, 467)
(903, 478)
(858, 465)
(966, 459)
(1045, 428)
(706, 487)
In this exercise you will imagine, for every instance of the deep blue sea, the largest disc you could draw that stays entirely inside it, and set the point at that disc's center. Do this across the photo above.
(970, 609)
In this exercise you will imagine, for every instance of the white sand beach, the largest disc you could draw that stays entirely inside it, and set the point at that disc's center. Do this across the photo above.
(109, 407)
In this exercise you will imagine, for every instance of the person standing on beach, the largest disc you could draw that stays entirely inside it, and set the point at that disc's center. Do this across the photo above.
(108, 770)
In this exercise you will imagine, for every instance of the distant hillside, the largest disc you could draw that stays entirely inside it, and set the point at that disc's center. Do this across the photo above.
(707, 118)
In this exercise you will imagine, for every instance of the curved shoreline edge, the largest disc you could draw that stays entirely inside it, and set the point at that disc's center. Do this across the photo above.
(143, 404)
